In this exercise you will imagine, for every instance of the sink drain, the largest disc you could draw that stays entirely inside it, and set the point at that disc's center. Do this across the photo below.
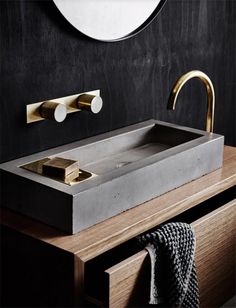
(121, 164)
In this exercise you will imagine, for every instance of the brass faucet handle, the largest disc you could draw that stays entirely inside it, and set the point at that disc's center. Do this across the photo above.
(53, 111)
(90, 103)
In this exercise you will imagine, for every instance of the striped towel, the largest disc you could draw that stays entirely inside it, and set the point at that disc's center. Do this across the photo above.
(173, 274)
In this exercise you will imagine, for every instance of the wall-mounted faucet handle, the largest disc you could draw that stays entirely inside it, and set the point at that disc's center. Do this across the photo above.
(53, 111)
(57, 108)
(90, 103)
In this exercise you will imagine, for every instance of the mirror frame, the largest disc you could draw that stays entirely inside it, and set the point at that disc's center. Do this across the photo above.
(144, 25)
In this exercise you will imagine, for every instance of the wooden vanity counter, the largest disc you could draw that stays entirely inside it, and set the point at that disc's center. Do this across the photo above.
(105, 236)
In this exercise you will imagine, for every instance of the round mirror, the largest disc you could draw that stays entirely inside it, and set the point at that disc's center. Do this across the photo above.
(109, 20)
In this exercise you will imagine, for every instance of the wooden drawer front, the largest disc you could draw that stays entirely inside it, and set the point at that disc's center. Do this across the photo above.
(216, 255)
(127, 283)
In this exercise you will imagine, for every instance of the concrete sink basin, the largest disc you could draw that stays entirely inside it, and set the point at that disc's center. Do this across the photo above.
(129, 166)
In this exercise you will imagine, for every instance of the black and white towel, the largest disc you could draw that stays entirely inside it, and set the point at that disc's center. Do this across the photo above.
(173, 274)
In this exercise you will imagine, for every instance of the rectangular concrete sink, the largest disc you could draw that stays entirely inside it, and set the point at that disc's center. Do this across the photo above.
(129, 166)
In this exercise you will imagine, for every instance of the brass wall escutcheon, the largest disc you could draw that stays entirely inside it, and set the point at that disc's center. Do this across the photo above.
(57, 109)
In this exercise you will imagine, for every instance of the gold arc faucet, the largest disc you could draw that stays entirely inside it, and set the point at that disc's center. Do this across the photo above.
(210, 95)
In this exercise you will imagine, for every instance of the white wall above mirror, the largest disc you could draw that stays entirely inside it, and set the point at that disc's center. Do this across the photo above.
(109, 20)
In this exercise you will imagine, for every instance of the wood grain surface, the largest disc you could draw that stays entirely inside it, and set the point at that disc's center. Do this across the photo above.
(118, 229)
(216, 255)
(128, 282)
(43, 57)
(124, 280)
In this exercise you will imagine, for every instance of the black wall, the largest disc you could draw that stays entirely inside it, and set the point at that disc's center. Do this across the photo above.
(42, 56)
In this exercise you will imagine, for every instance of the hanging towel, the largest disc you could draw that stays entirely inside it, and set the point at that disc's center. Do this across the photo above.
(173, 274)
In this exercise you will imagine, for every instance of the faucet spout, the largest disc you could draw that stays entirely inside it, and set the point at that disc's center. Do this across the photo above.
(210, 95)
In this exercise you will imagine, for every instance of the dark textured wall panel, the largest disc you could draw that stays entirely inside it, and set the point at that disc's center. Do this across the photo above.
(42, 56)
